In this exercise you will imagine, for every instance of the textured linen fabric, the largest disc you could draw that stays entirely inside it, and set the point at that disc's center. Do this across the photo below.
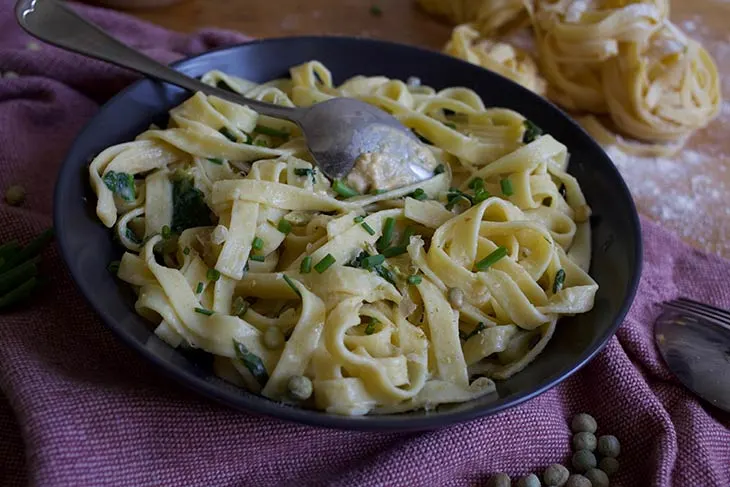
(77, 408)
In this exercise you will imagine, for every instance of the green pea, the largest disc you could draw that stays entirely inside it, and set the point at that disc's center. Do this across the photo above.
(555, 475)
(530, 480)
(609, 465)
(583, 460)
(300, 387)
(609, 446)
(584, 441)
(500, 480)
(583, 422)
(576, 480)
(597, 477)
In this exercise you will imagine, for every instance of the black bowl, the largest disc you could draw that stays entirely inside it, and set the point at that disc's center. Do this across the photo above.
(87, 245)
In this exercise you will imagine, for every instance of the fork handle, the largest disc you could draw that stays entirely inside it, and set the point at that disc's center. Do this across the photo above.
(51, 21)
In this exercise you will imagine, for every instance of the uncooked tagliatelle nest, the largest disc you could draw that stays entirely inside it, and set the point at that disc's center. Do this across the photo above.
(624, 60)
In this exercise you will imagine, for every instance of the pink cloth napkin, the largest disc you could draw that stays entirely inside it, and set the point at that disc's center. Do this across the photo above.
(77, 408)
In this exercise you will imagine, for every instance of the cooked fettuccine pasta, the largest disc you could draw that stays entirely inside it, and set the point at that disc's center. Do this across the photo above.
(377, 300)
(620, 60)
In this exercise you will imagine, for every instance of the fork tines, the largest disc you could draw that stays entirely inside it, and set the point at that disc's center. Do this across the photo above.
(701, 310)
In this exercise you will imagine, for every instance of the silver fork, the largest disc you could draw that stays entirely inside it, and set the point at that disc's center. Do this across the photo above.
(694, 341)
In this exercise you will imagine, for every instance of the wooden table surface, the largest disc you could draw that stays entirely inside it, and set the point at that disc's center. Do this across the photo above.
(688, 193)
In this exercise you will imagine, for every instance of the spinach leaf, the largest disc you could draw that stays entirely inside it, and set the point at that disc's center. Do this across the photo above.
(188, 206)
(121, 184)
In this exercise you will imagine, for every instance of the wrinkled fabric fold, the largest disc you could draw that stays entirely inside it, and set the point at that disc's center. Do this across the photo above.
(77, 408)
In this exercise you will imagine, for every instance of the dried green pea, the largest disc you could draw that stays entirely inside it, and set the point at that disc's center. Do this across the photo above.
(15, 195)
(576, 480)
(530, 480)
(299, 387)
(584, 441)
(609, 465)
(597, 477)
(555, 475)
(583, 422)
(583, 460)
(609, 446)
(500, 480)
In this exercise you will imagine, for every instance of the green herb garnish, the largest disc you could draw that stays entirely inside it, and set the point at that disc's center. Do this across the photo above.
(450, 125)
(384, 241)
(228, 134)
(188, 206)
(480, 326)
(491, 259)
(261, 143)
(368, 228)
(306, 266)
(394, 251)
(325, 263)
(559, 281)
(370, 328)
(213, 275)
(359, 219)
(204, 311)
(291, 285)
(258, 243)
(506, 186)
(239, 307)
(258, 258)
(121, 184)
(415, 280)
(481, 195)
(216, 161)
(284, 226)
(199, 288)
(419, 195)
(252, 362)
(532, 132)
(372, 261)
(343, 189)
(476, 183)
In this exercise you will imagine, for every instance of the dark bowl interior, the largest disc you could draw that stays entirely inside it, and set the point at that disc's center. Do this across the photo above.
(87, 245)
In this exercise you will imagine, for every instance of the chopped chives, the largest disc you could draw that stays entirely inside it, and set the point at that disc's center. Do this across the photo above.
(370, 329)
(166, 232)
(213, 275)
(559, 281)
(306, 266)
(394, 251)
(204, 311)
(186, 251)
(291, 285)
(325, 263)
(249, 139)
(476, 183)
(252, 362)
(215, 160)
(113, 267)
(263, 129)
(481, 195)
(284, 226)
(239, 307)
(257, 258)
(384, 240)
(380, 191)
(415, 280)
(343, 189)
(258, 243)
(506, 185)
(491, 259)
(368, 228)
(199, 288)
(373, 260)
(225, 132)
(419, 195)
(532, 132)
(439, 169)
(359, 219)
(407, 234)
(454, 198)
